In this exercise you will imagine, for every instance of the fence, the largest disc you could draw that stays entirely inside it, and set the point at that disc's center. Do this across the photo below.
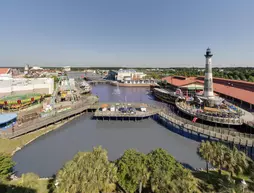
(232, 121)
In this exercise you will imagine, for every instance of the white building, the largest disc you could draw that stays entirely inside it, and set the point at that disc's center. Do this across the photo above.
(129, 74)
(14, 86)
(36, 68)
(67, 68)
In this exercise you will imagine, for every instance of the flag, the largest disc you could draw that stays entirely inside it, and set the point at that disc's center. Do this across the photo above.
(194, 119)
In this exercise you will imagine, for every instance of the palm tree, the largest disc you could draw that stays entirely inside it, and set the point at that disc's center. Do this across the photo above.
(220, 151)
(144, 177)
(236, 161)
(206, 152)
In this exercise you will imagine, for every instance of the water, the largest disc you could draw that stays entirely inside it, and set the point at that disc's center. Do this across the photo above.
(46, 155)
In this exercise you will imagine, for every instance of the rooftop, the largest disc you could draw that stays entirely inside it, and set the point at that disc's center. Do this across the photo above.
(232, 91)
(4, 70)
(127, 70)
(181, 80)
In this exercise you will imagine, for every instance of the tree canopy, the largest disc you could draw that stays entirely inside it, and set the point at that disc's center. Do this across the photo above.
(6, 165)
(87, 172)
(157, 171)
(132, 170)
(222, 157)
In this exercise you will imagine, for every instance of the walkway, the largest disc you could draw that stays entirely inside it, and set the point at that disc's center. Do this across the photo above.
(81, 106)
(38, 123)
(211, 134)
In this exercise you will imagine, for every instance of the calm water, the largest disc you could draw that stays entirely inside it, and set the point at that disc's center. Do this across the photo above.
(46, 155)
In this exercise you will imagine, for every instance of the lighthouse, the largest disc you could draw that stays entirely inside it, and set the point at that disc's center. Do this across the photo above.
(208, 86)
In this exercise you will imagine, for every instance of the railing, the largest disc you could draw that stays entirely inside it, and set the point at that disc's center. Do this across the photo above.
(217, 132)
(225, 137)
(44, 121)
(221, 130)
(227, 120)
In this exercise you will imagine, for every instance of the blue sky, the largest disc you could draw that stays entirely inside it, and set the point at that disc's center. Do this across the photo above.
(142, 33)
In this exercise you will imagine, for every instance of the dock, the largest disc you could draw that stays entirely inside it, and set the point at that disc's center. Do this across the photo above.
(117, 115)
(171, 121)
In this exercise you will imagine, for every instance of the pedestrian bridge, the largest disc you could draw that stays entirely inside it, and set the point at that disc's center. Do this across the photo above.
(153, 112)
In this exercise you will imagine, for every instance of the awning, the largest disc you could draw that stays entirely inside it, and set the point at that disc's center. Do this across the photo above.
(6, 117)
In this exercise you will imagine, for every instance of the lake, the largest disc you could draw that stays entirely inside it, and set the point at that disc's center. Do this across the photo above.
(46, 155)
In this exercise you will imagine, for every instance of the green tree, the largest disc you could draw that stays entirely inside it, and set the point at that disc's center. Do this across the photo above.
(29, 181)
(162, 166)
(89, 172)
(132, 171)
(236, 161)
(206, 152)
(167, 175)
(183, 181)
(6, 165)
(219, 159)
(251, 79)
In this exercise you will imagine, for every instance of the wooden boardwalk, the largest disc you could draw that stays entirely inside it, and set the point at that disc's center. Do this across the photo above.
(36, 124)
(210, 134)
(82, 106)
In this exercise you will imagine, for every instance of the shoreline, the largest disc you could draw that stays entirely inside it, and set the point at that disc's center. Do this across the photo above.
(44, 132)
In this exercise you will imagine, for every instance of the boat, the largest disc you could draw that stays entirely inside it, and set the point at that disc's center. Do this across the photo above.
(85, 87)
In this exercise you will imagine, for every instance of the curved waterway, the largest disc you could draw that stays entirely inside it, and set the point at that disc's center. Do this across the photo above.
(46, 155)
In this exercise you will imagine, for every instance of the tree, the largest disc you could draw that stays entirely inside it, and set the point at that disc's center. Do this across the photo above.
(167, 175)
(132, 171)
(162, 166)
(219, 160)
(29, 181)
(183, 181)
(89, 172)
(6, 165)
(206, 152)
(236, 161)
(251, 79)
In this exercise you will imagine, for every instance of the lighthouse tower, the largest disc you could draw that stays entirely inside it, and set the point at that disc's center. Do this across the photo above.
(208, 86)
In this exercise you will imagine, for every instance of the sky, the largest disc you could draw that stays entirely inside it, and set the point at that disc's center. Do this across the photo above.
(126, 33)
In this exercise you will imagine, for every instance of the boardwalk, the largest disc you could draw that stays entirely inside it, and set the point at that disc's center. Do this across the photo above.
(41, 122)
(210, 134)
(81, 106)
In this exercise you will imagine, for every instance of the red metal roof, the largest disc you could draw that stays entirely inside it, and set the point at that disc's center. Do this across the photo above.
(238, 93)
(181, 82)
(230, 80)
(241, 94)
(4, 70)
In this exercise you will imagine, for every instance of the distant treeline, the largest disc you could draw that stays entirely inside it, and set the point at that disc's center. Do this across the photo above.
(236, 73)
(246, 74)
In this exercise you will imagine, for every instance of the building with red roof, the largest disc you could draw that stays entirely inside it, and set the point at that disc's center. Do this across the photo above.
(4, 71)
(241, 92)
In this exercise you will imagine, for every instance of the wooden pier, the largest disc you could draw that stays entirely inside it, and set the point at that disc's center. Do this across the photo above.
(119, 115)
(156, 112)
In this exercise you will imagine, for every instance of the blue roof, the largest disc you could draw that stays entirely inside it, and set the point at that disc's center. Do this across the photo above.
(6, 117)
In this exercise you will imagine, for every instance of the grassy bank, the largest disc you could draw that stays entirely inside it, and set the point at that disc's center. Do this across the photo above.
(31, 186)
(212, 181)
